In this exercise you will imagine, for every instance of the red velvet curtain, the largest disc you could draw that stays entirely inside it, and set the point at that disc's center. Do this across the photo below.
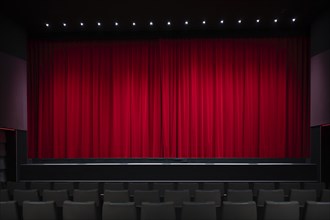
(170, 98)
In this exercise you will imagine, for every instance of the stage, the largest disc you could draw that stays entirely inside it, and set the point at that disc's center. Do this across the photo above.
(170, 170)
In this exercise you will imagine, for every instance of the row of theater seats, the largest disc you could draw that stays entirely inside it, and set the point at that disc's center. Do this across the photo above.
(176, 196)
(165, 211)
(161, 186)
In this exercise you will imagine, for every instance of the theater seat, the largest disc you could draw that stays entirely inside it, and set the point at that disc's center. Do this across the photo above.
(208, 196)
(39, 210)
(25, 195)
(4, 195)
(276, 195)
(177, 197)
(116, 196)
(158, 211)
(79, 211)
(199, 211)
(86, 196)
(9, 211)
(119, 211)
(325, 195)
(239, 195)
(58, 196)
(239, 210)
(317, 211)
(281, 210)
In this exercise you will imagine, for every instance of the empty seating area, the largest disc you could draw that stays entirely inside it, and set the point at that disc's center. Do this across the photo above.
(176, 200)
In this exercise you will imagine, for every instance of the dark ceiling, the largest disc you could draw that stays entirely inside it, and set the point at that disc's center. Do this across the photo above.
(34, 14)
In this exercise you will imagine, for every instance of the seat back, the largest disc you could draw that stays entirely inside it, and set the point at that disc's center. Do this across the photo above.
(318, 186)
(137, 186)
(86, 196)
(239, 210)
(67, 185)
(287, 187)
(113, 186)
(119, 211)
(258, 186)
(208, 196)
(303, 195)
(239, 195)
(11, 186)
(4, 195)
(88, 185)
(116, 196)
(281, 210)
(198, 211)
(325, 195)
(317, 211)
(9, 211)
(161, 187)
(276, 195)
(40, 186)
(189, 186)
(159, 211)
(238, 186)
(58, 196)
(177, 197)
(146, 196)
(39, 210)
(79, 210)
(215, 186)
(25, 195)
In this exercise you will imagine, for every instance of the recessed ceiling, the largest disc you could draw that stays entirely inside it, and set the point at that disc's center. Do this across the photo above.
(34, 14)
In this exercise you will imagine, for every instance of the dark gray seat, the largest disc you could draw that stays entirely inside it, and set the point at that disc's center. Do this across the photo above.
(58, 196)
(303, 195)
(318, 186)
(189, 186)
(65, 185)
(11, 186)
(158, 211)
(215, 186)
(146, 196)
(4, 195)
(325, 195)
(239, 210)
(137, 186)
(39, 210)
(199, 211)
(116, 196)
(208, 196)
(25, 195)
(177, 197)
(161, 187)
(113, 186)
(317, 211)
(276, 195)
(239, 195)
(79, 210)
(258, 186)
(119, 211)
(86, 196)
(9, 210)
(281, 210)
(40, 186)
(238, 186)
(288, 186)
(88, 185)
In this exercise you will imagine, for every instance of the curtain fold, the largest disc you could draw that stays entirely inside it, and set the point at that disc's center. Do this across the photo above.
(169, 98)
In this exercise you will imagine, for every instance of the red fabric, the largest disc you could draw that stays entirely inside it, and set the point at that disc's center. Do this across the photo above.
(177, 98)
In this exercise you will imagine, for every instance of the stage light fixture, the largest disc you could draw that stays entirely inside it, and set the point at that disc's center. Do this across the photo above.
(99, 24)
(239, 21)
(222, 21)
(204, 22)
(293, 19)
(47, 25)
(133, 23)
(168, 23)
(64, 24)
(258, 20)
(116, 24)
(81, 24)
(151, 23)
(275, 20)
(186, 22)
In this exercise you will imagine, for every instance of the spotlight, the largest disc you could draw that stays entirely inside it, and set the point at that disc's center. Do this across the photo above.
(186, 22)
(151, 23)
(99, 24)
(168, 23)
(239, 21)
(293, 19)
(47, 25)
(81, 24)
(222, 21)
(258, 20)
(133, 23)
(116, 24)
(204, 22)
(64, 24)
(275, 20)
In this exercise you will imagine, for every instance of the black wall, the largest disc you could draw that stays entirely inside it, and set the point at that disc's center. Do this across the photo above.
(13, 98)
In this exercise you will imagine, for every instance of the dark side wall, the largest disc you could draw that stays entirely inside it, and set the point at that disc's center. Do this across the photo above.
(13, 90)
(320, 70)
